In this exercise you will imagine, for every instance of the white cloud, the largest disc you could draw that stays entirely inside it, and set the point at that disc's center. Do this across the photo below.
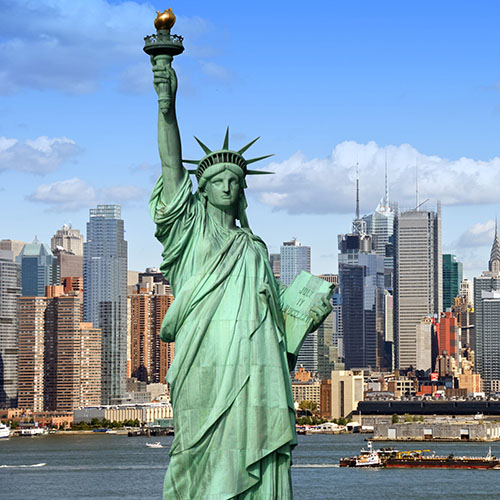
(480, 234)
(39, 156)
(216, 71)
(74, 194)
(327, 185)
(72, 46)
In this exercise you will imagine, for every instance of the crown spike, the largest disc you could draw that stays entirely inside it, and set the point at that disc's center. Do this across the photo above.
(205, 148)
(253, 160)
(258, 172)
(244, 148)
(192, 162)
(226, 140)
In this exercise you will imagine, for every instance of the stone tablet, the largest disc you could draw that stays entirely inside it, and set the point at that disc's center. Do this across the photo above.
(303, 293)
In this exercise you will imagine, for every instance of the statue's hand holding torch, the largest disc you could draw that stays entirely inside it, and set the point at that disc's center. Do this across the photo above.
(164, 81)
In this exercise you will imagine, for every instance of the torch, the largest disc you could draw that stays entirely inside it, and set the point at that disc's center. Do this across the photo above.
(161, 47)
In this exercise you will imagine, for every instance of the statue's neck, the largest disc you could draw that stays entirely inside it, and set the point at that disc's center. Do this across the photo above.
(225, 218)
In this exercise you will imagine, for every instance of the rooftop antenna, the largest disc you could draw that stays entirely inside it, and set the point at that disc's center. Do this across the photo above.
(386, 196)
(416, 185)
(357, 191)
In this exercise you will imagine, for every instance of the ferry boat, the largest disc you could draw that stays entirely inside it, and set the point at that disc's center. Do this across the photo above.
(390, 458)
(4, 431)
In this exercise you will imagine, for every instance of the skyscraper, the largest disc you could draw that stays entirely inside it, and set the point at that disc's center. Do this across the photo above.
(68, 239)
(10, 291)
(39, 268)
(105, 294)
(418, 281)
(452, 277)
(293, 258)
(59, 356)
(380, 225)
(361, 278)
(487, 319)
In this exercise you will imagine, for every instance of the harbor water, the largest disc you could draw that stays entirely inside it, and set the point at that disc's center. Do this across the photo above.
(115, 467)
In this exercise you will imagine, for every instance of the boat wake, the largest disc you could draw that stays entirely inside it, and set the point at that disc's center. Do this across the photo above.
(315, 466)
(21, 466)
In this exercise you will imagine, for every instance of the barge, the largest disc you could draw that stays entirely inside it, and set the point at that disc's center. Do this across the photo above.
(391, 458)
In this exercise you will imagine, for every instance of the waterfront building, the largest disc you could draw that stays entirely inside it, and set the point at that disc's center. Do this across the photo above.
(307, 391)
(149, 358)
(105, 294)
(10, 291)
(452, 279)
(347, 391)
(417, 278)
(59, 356)
(145, 413)
(39, 268)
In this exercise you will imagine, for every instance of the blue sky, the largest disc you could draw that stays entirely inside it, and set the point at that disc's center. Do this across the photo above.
(326, 85)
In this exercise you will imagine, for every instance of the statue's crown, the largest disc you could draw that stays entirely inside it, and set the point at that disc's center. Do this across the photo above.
(225, 155)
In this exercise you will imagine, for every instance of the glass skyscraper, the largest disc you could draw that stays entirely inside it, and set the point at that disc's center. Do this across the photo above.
(105, 294)
(39, 268)
(452, 277)
(10, 291)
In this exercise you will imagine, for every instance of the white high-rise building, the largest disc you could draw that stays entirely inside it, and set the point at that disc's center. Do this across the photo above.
(418, 280)
(69, 239)
(293, 258)
(105, 294)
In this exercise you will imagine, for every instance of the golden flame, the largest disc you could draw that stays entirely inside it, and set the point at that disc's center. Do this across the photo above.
(165, 20)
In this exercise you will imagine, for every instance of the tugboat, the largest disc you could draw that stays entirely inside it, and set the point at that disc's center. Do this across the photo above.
(366, 458)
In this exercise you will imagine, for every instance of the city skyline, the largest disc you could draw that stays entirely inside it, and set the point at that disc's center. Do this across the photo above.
(413, 86)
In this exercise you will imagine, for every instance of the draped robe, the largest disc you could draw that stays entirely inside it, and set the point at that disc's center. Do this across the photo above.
(230, 388)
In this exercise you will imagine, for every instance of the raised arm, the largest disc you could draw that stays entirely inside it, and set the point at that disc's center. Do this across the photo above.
(169, 142)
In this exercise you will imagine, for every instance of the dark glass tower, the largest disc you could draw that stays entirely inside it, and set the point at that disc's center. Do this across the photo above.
(105, 294)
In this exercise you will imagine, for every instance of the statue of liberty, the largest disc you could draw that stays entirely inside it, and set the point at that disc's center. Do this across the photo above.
(229, 382)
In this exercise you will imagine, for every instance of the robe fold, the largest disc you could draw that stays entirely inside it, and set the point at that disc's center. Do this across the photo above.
(229, 382)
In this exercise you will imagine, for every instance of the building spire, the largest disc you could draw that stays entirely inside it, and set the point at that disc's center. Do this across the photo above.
(494, 264)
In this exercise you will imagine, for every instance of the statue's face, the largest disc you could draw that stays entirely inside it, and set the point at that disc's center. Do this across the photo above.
(223, 190)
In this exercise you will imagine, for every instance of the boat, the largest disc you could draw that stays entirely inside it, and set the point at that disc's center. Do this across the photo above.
(154, 445)
(4, 431)
(391, 458)
(366, 458)
(422, 459)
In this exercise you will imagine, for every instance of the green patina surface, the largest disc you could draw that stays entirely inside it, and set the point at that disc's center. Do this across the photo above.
(229, 382)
